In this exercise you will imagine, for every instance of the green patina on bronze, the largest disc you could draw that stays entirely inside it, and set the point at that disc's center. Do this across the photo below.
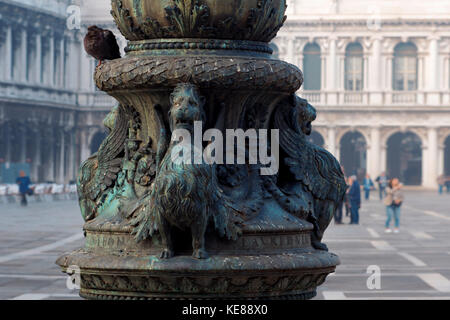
(257, 20)
(158, 229)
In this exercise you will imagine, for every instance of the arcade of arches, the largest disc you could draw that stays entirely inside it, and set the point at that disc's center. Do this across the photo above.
(406, 154)
(47, 143)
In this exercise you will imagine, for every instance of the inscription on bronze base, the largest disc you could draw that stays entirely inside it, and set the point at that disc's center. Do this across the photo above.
(157, 229)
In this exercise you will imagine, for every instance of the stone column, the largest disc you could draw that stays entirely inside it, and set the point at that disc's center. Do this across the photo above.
(433, 71)
(365, 85)
(389, 77)
(341, 85)
(290, 50)
(71, 65)
(62, 59)
(85, 152)
(8, 152)
(301, 58)
(331, 143)
(23, 143)
(383, 158)
(85, 74)
(52, 61)
(70, 175)
(374, 153)
(373, 83)
(38, 59)
(421, 71)
(61, 175)
(433, 97)
(389, 72)
(424, 182)
(441, 156)
(341, 78)
(51, 157)
(430, 173)
(366, 77)
(332, 74)
(37, 156)
(23, 53)
(8, 54)
(375, 77)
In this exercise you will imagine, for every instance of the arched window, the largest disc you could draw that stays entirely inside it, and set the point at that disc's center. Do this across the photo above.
(353, 149)
(404, 158)
(405, 67)
(317, 139)
(312, 67)
(354, 66)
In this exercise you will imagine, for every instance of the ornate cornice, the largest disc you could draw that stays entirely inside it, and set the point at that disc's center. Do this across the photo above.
(363, 22)
(33, 18)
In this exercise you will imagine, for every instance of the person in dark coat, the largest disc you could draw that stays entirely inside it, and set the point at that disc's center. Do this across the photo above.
(354, 196)
(24, 187)
(339, 212)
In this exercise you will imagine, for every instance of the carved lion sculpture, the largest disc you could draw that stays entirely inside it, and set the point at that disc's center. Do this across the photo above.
(184, 195)
(314, 168)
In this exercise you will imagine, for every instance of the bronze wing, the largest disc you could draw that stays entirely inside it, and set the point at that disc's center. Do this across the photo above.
(315, 167)
(110, 155)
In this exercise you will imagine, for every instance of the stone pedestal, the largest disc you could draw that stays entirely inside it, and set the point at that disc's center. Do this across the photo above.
(262, 233)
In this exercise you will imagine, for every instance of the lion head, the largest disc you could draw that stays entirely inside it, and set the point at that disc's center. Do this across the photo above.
(307, 114)
(186, 107)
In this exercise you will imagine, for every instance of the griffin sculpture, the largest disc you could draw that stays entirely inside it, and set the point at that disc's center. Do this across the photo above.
(99, 172)
(317, 170)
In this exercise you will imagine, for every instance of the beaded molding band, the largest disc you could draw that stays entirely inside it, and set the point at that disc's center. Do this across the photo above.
(198, 44)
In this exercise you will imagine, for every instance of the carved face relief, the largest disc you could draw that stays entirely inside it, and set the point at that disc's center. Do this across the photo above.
(186, 107)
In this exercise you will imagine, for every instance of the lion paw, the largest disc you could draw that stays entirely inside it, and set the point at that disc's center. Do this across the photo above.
(200, 254)
(166, 254)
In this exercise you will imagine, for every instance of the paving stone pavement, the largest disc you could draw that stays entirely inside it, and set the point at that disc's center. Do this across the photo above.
(31, 239)
(414, 263)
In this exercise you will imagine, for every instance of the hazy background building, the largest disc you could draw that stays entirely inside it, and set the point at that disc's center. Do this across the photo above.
(50, 111)
(378, 71)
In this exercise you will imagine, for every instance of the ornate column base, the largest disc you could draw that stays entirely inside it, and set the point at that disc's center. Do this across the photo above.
(270, 261)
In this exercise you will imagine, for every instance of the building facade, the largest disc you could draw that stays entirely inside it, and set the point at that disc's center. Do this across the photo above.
(50, 111)
(379, 74)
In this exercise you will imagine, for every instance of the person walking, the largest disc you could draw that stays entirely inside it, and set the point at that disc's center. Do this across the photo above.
(382, 183)
(354, 196)
(393, 201)
(447, 184)
(24, 187)
(367, 186)
(441, 183)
